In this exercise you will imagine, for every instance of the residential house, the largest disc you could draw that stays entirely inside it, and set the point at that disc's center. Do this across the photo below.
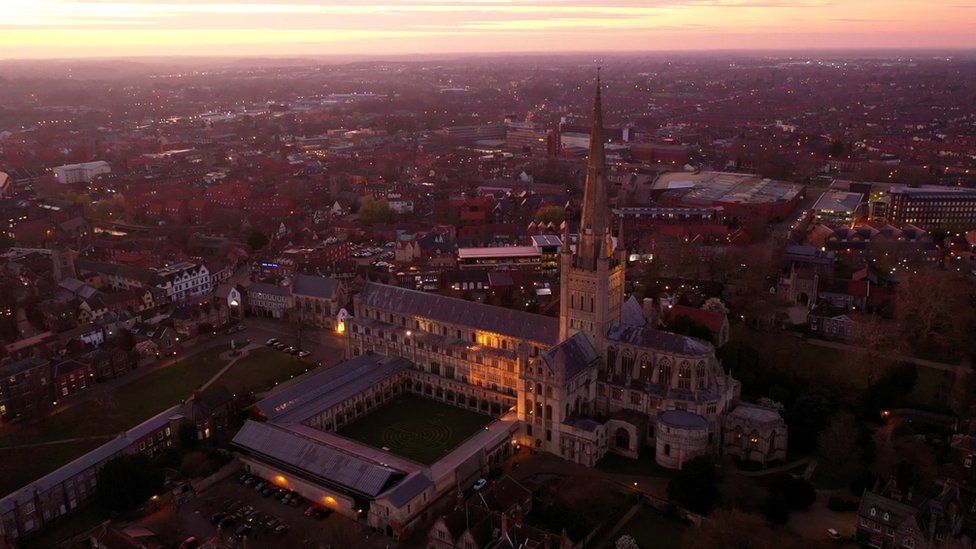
(70, 377)
(24, 388)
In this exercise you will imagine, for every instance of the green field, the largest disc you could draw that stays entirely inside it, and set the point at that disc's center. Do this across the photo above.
(416, 428)
(261, 369)
(651, 528)
(105, 414)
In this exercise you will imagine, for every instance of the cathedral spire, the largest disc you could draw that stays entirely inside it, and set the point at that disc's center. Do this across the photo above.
(595, 233)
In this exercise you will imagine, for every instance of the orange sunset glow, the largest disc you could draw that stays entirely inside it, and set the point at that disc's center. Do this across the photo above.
(57, 28)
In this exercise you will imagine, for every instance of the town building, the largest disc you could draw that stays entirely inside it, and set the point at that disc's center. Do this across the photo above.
(81, 173)
(317, 299)
(269, 300)
(24, 388)
(933, 207)
(837, 207)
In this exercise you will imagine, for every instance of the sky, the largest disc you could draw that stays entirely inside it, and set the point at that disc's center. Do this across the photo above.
(111, 28)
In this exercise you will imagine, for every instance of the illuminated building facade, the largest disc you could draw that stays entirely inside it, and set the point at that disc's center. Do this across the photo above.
(595, 380)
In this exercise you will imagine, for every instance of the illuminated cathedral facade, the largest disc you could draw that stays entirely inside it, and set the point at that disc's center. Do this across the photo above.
(598, 379)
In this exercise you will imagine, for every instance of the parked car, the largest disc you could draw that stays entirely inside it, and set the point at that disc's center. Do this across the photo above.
(246, 511)
(227, 522)
(281, 529)
(271, 342)
(189, 543)
(250, 480)
(480, 483)
(260, 486)
(303, 354)
(242, 532)
(217, 517)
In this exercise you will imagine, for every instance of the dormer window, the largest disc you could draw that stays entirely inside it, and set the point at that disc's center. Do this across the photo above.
(886, 516)
(874, 512)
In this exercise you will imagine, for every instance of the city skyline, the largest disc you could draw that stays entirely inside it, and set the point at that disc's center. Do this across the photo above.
(87, 28)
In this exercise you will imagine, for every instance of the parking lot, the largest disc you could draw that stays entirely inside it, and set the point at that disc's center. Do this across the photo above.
(232, 514)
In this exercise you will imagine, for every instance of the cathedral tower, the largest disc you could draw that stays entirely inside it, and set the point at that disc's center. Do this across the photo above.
(592, 276)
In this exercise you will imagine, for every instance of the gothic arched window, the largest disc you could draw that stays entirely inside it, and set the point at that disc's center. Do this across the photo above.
(684, 376)
(627, 364)
(664, 373)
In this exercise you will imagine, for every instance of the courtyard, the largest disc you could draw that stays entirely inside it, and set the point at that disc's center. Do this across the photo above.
(416, 428)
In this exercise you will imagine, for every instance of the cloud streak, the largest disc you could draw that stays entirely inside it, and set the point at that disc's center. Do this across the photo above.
(109, 27)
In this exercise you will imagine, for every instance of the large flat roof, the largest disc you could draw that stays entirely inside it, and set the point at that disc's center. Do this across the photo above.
(724, 187)
(838, 201)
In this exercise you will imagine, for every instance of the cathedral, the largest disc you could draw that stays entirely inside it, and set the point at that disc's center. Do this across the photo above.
(598, 379)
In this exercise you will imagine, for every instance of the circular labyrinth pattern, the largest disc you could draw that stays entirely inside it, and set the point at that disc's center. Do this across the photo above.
(409, 434)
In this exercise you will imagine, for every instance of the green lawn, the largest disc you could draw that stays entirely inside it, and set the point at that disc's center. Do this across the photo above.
(645, 465)
(651, 528)
(111, 413)
(416, 428)
(261, 369)
(807, 361)
(932, 388)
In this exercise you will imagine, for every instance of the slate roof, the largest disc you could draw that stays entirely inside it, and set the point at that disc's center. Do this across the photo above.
(572, 356)
(270, 289)
(406, 491)
(659, 340)
(754, 412)
(316, 458)
(315, 286)
(632, 313)
(66, 367)
(14, 368)
(98, 455)
(317, 392)
(500, 320)
(682, 419)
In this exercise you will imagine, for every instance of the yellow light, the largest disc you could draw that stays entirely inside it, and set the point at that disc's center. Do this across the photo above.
(329, 500)
(281, 480)
(341, 327)
(155, 498)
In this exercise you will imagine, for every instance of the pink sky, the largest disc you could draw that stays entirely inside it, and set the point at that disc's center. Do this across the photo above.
(79, 28)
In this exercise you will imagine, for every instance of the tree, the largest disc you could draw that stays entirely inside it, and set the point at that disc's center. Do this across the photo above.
(791, 493)
(839, 454)
(257, 240)
(125, 340)
(695, 486)
(187, 435)
(626, 542)
(931, 316)
(374, 211)
(551, 214)
(126, 482)
(835, 149)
